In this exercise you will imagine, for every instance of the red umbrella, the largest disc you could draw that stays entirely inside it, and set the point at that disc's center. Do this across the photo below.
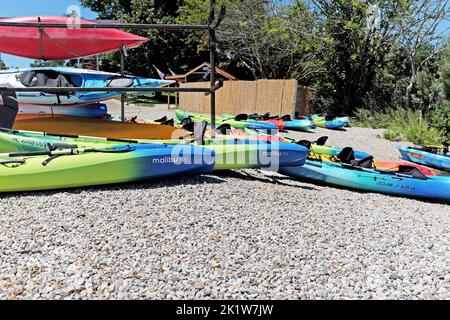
(62, 43)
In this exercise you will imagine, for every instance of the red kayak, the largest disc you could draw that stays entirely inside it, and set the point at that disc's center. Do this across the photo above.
(62, 43)
(278, 122)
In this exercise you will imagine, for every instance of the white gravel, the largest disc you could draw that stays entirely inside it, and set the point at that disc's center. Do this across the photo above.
(237, 235)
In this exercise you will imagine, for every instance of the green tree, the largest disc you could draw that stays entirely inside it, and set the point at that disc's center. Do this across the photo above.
(3, 65)
(164, 48)
(46, 64)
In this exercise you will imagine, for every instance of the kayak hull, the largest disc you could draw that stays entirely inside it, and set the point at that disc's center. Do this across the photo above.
(90, 169)
(62, 43)
(429, 159)
(335, 174)
(228, 154)
(100, 128)
(300, 125)
(80, 78)
(97, 110)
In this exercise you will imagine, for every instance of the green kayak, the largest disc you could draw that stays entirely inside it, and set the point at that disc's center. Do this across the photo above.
(68, 166)
(229, 154)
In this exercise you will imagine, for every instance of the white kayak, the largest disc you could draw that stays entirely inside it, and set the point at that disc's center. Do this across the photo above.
(71, 77)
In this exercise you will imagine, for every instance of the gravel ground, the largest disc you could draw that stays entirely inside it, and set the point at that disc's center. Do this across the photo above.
(236, 235)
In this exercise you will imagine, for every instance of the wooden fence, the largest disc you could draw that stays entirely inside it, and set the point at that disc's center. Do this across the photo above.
(279, 97)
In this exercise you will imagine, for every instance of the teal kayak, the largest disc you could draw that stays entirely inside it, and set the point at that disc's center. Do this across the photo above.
(406, 181)
(425, 156)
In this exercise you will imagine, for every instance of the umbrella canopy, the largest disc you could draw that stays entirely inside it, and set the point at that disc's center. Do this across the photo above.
(62, 43)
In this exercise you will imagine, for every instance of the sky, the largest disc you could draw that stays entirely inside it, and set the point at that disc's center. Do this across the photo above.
(17, 8)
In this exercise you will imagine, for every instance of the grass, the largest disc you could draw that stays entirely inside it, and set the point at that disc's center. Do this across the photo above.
(400, 125)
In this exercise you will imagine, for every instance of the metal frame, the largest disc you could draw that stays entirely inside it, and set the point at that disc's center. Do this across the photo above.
(213, 23)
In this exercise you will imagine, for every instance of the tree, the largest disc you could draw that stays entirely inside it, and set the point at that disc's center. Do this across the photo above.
(418, 30)
(3, 65)
(46, 64)
(272, 39)
(164, 48)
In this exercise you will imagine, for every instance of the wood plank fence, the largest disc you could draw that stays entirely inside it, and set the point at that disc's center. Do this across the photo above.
(279, 97)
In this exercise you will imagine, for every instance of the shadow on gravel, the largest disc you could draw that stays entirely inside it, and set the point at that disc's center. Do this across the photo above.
(267, 179)
(139, 185)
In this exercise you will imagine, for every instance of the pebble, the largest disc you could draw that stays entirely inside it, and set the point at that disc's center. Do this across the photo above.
(246, 234)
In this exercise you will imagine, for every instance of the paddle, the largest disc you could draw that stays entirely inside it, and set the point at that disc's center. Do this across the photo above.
(57, 150)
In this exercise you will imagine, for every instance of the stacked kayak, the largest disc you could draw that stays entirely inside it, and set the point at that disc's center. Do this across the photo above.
(327, 122)
(97, 110)
(229, 154)
(70, 166)
(235, 122)
(62, 43)
(71, 77)
(103, 128)
(435, 157)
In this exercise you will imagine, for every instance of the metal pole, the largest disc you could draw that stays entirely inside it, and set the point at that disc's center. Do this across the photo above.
(212, 58)
(123, 96)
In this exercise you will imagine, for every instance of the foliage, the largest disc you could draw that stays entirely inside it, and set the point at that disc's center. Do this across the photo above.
(400, 124)
(46, 64)
(3, 65)
(441, 119)
(164, 49)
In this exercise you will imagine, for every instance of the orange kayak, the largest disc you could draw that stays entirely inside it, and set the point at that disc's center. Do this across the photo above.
(100, 128)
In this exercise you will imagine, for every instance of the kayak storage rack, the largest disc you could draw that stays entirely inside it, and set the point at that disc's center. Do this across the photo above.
(209, 29)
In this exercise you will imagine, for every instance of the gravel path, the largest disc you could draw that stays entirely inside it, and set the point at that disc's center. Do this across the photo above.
(236, 235)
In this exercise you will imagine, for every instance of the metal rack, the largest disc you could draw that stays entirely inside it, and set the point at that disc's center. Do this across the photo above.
(213, 22)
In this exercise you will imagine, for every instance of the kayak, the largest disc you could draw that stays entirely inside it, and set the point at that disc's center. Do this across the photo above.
(329, 124)
(71, 77)
(407, 181)
(229, 154)
(430, 159)
(301, 125)
(69, 167)
(62, 43)
(223, 119)
(345, 121)
(97, 110)
(100, 128)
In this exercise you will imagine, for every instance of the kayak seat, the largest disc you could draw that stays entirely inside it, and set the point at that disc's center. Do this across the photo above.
(199, 132)
(168, 122)
(329, 117)
(118, 82)
(8, 108)
(305, 143)
(223, 129)
(241, 117)
(286, 118)
(253, 116)
(347, 155)
(161, 120)
(363, 163)
(188, 124)
(321, 141)
(412, 171)
(45, 78)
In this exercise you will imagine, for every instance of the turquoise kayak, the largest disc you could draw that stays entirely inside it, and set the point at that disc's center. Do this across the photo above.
(424, 157)
(407, 182)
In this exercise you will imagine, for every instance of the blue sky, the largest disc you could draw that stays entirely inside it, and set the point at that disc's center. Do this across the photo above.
(17, 8)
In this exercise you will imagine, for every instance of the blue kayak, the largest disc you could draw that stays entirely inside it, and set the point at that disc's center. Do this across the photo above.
(299, 124)
(408, 183)
(71, 77)
(97, 110)
(434, 160)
